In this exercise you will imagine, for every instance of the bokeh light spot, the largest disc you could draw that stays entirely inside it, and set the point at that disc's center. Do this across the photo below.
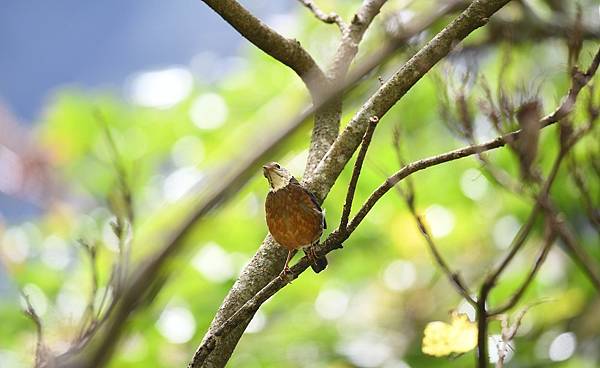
(187, 151)
(367, 350)
(331, 303)
(55, 253)
(176, 324)
(214, 263)
(562, 347)
(209, 111)
(161, 88)
(109, 238)
(473, 184)
(15, 245)
(11, 171)
(505, 230)
(400, 275)
(464, 307)
(440, 220)
(70, 303)
(180, 182)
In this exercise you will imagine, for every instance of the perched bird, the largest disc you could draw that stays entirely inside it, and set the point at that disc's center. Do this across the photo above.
(294, 217)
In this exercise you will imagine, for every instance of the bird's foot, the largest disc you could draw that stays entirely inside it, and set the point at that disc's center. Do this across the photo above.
(285, 275)
(311, 254)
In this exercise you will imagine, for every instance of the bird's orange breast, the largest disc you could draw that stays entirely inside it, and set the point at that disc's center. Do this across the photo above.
(294, 220)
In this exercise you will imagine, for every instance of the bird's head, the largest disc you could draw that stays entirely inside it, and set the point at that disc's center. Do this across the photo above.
(277, 175)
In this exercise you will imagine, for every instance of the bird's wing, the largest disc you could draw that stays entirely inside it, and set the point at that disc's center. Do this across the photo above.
(313, 198)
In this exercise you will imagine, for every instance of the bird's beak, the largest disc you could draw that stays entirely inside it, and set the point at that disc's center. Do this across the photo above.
(266, 170)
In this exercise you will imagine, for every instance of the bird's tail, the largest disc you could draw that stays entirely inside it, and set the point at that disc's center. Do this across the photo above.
(319, 265)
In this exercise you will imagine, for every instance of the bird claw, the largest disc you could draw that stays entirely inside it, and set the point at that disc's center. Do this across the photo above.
(284, 275)
(311, 254)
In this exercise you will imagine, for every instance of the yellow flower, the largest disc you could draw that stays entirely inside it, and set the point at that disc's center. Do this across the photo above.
(441, 338)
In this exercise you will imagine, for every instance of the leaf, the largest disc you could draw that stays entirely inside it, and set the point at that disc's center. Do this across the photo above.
(441, 339)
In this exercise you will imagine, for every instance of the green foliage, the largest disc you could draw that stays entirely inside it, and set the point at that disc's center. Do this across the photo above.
(370, 307)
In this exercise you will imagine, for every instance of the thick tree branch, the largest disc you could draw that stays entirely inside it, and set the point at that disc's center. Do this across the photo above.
(327, 124)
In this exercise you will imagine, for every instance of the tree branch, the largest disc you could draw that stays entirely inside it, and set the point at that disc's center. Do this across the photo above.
(268, 261)
(245, 312)
(575, 250)
(330, 18)
(352, 37)
(287, 51)
(327, 125)
(356, 172)
(40, 347)
(453, 277)
(413, 167)
(514, 299)
(541, 202)
(475, 16)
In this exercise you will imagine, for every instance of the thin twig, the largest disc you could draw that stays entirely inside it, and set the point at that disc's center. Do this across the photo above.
(409, 197)
(35, 318)
(591, 211)
(89, 314)
(423, 164)
(330, 18)
(576, 251)
(453, 277)
(578, 81)
(356, 172)
(514, 299)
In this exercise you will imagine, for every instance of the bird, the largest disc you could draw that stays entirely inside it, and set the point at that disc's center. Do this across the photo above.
(293, 215)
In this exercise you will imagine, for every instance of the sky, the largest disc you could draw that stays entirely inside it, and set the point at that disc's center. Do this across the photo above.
(45, 45)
